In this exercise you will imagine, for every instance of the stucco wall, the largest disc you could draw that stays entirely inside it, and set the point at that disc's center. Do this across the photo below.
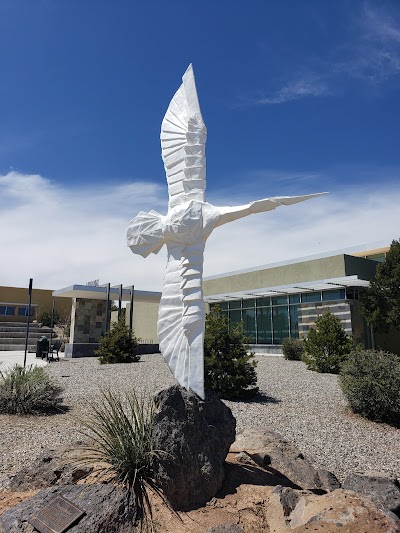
(326, 267)
(145, 315)
(41, 298)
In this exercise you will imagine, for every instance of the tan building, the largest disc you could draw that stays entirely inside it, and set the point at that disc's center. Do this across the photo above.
(14, 304)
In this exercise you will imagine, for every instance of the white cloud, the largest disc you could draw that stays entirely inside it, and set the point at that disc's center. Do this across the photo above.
(370, 55)
(300, 88)
(60, 237)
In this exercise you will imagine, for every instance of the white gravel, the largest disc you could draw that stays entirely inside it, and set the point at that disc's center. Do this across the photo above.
(307, 408)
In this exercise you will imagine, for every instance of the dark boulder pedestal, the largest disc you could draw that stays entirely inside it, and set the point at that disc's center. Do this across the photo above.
(192, 438)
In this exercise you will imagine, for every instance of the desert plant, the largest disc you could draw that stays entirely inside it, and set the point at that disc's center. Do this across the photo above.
(229, 370)
(292, 349)
(327, 346)
(28, 390)
(118, 346)
(370, 380)
(120, 429)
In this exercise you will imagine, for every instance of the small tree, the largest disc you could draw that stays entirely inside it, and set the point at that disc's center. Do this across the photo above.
(327, 346)
(118, 346)
(381, 301)
(229, 370)
(45, 318)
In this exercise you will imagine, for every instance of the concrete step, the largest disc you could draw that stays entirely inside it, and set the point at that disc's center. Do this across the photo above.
(20, 341)
(17, 334)
(15, 347)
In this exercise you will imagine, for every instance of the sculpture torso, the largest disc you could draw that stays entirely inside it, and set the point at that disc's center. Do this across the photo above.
(190, 222)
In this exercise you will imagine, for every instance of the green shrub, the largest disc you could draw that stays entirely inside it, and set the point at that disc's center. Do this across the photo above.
(120, 429)
(28, 390)
(229, 370)
(370, 381)
(117, 346)
(292, 349)
(327, 346)
(45, 318)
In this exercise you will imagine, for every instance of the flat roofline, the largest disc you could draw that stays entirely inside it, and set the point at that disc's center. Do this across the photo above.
(344, 251)
(100, 293)
(293, 288)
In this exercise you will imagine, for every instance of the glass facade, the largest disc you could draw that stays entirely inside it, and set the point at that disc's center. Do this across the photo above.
(269, 320)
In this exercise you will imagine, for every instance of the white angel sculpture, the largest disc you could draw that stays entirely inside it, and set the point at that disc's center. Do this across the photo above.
(185, 229)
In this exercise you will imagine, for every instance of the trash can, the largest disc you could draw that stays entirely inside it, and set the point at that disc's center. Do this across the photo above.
(42, 346)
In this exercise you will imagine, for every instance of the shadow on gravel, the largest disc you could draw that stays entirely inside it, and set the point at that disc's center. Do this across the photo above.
(260, 398)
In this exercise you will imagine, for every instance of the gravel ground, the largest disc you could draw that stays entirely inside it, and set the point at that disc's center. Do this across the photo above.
(307, 408)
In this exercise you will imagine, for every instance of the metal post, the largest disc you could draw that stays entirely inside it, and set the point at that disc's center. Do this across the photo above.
(131, 310)
(120, 302)
(108, 309)
(51, 331)
(29, 316)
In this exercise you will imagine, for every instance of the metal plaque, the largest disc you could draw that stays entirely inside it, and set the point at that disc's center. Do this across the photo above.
(56, 516)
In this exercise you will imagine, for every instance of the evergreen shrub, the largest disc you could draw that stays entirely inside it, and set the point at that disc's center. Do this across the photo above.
(292, 349)
(118, 346)
(229, 370)
(370, 380)
(327, 346)
(29, 390)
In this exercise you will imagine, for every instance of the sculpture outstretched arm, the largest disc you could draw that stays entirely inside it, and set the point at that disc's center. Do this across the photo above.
(228, 214)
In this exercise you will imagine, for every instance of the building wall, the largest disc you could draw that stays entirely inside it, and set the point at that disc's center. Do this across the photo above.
(310, 312)
(145, 316)
(42, 300)
(316, 269)
(88, 319)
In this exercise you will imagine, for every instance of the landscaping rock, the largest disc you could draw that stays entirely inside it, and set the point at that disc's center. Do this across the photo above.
(335, 511)
(383, 491)
(193, 437)
(52, 467)
(226, 528)
(109, 509)
(269, 449)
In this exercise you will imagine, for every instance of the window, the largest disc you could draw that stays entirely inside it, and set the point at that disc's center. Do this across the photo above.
(311, 297)
(294, 298)
(337, 294)
(281, 324)
(7, 310)
(294, 321)
(23, 310)
(263, 302)
(264, 325)
(235, 304)
(279, 300)
(249, 303)
(249, 323)
(235, 316)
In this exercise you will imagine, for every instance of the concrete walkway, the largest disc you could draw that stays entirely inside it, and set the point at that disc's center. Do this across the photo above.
(12, 358)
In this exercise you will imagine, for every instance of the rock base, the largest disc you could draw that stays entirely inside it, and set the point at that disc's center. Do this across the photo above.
(192, 438)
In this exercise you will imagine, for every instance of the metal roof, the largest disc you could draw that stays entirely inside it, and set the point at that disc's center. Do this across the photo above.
(100, 293)
(295, 288)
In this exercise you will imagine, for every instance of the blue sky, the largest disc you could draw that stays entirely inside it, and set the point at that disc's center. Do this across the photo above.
(298, 97)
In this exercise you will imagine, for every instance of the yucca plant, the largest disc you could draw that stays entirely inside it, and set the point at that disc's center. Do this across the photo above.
(28, 390)
(120, 429)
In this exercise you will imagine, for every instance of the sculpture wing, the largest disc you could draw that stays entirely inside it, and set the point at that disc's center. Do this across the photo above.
(183, 138)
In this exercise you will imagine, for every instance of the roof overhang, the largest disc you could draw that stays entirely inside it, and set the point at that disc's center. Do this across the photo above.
(295, 288)
(100, 293)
